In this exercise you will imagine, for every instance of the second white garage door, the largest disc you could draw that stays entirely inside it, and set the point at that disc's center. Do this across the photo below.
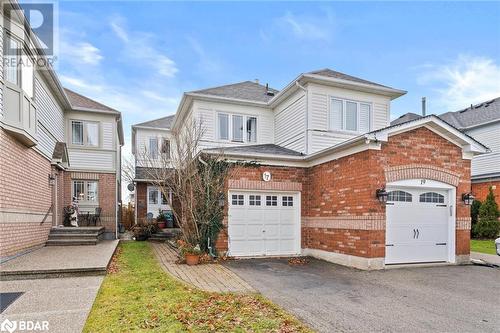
(263, 224)
(417, 229)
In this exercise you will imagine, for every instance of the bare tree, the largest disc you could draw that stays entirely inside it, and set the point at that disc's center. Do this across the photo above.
(197, 181)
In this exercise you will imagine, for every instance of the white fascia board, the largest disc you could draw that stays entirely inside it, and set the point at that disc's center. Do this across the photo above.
(393, 93)
(77, 108)
(151, 128)
(181, 109)
(228, 99)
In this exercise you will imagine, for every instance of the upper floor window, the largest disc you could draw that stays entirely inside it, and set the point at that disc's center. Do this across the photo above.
(18, 65)
(350, 116)
(85, 133)
(153, 148)
(165, 148)
(236, 128)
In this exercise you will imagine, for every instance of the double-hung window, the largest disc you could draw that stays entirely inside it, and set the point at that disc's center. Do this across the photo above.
(18, 65)
(350, 116)
(165, 148)
(85, 133)
(153, 148)
(86, 190)
(237, 128)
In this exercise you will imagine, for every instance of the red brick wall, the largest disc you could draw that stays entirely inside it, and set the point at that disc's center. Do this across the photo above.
(25, 196)
(142, 203)
(480, 190)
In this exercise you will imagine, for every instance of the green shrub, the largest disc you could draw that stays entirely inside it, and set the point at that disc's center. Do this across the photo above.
(486, 229)
(487, 225)
(474, 211)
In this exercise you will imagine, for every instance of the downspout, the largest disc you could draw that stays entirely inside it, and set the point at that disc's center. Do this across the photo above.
(306, 138)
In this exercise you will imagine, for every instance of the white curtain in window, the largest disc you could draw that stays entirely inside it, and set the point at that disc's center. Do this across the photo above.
(351, 116)
(252, 129)
(93, 134)
(223, 122)
(238, 128)
(77, 132)
(153, 147)
(336, 117)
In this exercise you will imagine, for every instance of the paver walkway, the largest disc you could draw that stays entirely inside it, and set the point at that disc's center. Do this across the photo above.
(208, 277)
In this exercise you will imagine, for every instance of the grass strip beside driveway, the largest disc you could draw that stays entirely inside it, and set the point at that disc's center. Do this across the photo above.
(137, 295)
(484, 246)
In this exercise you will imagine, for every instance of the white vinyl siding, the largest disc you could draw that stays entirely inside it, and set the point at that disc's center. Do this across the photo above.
(290, 123)
(81, 159)
(107, 135)
(488, 135)
(142, 145)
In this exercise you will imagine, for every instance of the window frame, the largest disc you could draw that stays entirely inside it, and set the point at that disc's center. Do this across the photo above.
(331, 127)
(237, 199)
(85, 135)
(287, 201)
(434, 197)
(273, 201)
(255, 200)
(166, 149)
(230, 133)
(406, 194)
(151, 190)
(233, 132)
(22, 52)
(150, 151)
(85, 183)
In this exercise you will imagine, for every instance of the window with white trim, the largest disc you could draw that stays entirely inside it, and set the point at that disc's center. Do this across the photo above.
(237, 128)
(254, 200)
(287, 201)
(237, 200)
(19, 65)
(85, 190)
(223, 126)
(85, 133)
(153, 148)
(153, 196)
(401, 196)
(271, 200)
(251, 129)
(431, 197)
(349, 116)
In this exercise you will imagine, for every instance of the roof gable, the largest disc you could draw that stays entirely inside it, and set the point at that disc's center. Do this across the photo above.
(78, 101)
(474, 115)
(327, 72)
(161, 123)
(246, 90)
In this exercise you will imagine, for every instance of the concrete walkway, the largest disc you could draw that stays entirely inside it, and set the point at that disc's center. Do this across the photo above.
(58, 261)
(489, 258)
(63, 303)
(208, 277)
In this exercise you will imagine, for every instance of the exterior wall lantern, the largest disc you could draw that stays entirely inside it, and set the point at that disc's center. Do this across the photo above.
(381, 194)
(468, 198)
(52, 180)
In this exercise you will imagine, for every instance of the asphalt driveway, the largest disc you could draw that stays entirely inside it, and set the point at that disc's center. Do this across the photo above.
(332, 298)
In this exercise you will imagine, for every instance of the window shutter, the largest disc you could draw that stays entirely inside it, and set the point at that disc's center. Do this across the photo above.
(364, 114)
(336, 113)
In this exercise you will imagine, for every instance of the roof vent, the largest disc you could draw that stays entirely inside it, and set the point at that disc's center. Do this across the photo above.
(269, 92)
(256, 81)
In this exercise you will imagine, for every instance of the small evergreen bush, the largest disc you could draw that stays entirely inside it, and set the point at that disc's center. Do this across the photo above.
(474, 212)
(488, 225)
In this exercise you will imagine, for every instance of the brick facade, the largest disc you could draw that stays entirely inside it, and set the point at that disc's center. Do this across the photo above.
(25, 197)
(340, 212)
(481, 189)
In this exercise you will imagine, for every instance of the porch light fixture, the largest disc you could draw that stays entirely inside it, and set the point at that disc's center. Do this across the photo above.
(52, 180)
(381, 194)
(468, 198)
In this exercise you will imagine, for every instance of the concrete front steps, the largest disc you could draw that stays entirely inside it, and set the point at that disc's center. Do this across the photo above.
(164, 234)
(72, 236)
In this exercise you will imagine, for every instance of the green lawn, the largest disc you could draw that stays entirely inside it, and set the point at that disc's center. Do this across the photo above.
(137, 295)
(483, 246)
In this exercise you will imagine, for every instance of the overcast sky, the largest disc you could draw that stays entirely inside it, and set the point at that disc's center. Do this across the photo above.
(139, 57)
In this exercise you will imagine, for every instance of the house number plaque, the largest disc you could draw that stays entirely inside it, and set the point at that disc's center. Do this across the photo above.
(266, 176)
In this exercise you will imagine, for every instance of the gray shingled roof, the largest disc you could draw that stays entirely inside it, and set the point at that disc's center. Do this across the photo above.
(246, 90)
(59, 151)
(338, 75)
(268, 149)
(146, 173)
(79, 101)
(474, 115)
(164, 122)
(406, 117)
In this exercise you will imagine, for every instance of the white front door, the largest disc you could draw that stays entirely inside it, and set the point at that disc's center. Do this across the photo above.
(417, 227)
(263, 223)
(156, 201)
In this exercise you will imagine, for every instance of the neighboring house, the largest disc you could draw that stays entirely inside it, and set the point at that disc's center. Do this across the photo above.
(482, 122)
(150, 145)
(324, 155)
(55, 144)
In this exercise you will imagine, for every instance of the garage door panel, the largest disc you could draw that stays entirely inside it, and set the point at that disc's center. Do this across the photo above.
(261, 229)
(417, 230)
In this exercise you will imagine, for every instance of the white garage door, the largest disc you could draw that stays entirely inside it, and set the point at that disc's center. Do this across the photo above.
(264, 223)
(417, 225)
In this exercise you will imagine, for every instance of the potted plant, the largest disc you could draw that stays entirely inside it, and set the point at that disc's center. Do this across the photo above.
(190, 253)
(144, 229)
(162, 220)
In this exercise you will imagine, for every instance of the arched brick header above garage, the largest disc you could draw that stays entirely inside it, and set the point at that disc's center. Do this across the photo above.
(421, 171)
